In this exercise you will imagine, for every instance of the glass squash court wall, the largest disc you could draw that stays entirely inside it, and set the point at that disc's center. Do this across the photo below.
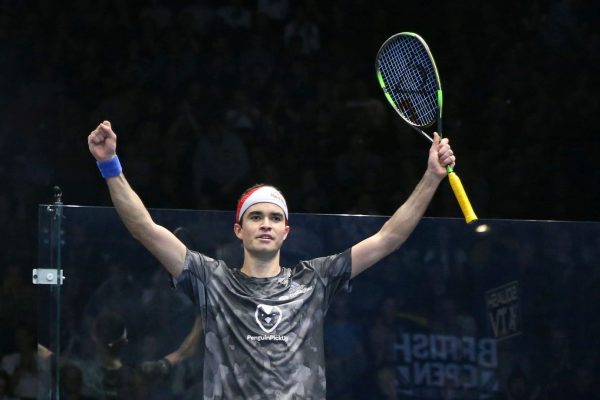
(460, 311)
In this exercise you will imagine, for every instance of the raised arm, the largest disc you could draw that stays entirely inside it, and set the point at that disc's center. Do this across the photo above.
(163, 244)
(399, 227)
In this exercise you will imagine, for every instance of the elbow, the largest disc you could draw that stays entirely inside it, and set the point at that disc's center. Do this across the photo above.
(136, 234)
(392, 247)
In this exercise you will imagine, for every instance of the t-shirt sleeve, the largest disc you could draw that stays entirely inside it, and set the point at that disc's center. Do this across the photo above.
(197, 271)
(335, 272)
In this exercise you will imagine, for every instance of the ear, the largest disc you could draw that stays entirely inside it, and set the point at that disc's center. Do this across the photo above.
(287, 231)
(237, 229)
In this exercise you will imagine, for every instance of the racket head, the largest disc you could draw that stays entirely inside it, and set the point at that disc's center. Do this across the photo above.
(407, 73)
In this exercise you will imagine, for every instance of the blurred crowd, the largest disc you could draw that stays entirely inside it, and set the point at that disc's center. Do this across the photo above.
(209, 97)
(120, 319)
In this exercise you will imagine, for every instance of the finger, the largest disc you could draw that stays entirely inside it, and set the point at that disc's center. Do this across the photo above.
(435, 145)
(103, 128)
(92, 137)
(449, 160)
(97, 136)
(106, 130)
(444, 152)
(104, 125)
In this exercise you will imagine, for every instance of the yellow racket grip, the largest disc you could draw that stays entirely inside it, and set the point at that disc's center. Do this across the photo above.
(461, 196)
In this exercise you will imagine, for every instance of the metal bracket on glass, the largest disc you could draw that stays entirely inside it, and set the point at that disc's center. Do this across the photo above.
(47, 276)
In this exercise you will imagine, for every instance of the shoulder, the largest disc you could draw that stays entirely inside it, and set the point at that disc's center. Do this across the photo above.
(344, 256)
(199, 266)
(194, 259)
(334, 263)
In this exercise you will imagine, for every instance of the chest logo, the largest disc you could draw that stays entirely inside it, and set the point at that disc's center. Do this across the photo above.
(268, 317)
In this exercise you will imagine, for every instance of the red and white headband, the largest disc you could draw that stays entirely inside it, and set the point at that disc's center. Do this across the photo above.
(260, 194)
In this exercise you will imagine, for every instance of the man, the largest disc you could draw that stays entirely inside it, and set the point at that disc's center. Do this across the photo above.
(108, 376)
(263, 323)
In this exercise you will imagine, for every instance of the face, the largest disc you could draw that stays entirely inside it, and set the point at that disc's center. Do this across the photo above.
(263, 228)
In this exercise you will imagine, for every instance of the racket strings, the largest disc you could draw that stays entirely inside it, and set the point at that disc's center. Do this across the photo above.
(410, 78)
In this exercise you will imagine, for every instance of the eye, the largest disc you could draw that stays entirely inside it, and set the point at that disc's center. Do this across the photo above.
(255, 217)
(277, 218)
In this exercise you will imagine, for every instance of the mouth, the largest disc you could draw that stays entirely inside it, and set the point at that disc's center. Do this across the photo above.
(265, 237)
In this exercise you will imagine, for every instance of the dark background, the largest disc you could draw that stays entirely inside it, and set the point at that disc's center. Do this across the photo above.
(520, 100)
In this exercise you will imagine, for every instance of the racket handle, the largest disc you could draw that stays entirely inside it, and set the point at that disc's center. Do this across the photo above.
(461, 196)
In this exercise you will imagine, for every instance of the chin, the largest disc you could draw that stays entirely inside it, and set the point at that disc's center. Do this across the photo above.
(264, 249)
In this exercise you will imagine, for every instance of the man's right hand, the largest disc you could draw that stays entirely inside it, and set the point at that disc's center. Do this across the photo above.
(103, 142)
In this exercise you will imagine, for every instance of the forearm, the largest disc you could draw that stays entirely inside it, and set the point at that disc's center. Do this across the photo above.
(402, 223)
(188, 346)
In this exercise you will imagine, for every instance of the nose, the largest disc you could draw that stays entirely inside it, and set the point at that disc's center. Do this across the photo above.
(265, 224)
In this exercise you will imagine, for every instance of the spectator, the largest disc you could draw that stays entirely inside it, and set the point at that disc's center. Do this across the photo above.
(72, 383)
(304, 30)
(346, 358)
(220, 160)
(235, 15)
(28, 371)
(275, 10)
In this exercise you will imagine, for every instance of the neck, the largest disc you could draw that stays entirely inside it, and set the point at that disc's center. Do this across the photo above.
(261, 267)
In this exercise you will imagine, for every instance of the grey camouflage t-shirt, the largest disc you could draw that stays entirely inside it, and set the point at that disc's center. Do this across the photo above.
(264, 336)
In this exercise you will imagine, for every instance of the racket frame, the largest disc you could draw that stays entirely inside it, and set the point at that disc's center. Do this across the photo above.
(438, 82)
(457, 187)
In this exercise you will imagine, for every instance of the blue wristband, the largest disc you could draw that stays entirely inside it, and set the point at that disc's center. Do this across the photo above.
(110, 168)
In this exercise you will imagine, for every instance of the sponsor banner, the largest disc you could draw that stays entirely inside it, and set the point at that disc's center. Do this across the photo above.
(504, 311)
(429, 366)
